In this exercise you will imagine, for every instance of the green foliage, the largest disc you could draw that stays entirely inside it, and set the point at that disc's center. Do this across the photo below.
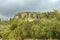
(13, 26)
(47, 27)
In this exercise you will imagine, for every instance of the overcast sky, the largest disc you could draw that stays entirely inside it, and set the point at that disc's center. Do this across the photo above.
(10, 7)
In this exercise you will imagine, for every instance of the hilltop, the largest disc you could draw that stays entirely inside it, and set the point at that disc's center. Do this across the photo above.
(30, 16)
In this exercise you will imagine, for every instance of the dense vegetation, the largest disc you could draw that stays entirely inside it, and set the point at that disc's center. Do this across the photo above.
(46, 27)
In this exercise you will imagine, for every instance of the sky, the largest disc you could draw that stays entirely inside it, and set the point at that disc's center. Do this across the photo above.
(9, 7)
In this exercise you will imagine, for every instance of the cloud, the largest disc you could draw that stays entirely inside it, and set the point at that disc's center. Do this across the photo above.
(53, 1)
(9, 7)
(17, 2)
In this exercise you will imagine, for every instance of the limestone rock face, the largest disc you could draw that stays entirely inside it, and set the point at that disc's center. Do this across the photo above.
(29, 16)
(16, 17)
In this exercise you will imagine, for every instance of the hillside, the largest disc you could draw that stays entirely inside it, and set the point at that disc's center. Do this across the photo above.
(32, 25)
